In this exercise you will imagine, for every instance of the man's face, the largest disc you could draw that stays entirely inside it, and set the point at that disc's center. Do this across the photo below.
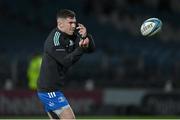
(68, 25)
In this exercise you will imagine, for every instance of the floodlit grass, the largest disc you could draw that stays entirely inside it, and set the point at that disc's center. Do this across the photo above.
(94, 117)
(130, 117)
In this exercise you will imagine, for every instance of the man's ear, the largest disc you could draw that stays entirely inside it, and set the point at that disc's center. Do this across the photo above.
(59, 23)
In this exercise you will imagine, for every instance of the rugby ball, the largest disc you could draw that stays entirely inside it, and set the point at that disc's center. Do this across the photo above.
(151, 26)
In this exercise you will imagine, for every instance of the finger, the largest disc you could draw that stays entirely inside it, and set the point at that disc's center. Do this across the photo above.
(86, 45)
(81, 43)
(81, 32)
(85, 42)
(78, 27)
(81, 25)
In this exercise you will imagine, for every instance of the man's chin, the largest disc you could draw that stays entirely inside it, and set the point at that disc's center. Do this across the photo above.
(71, 33)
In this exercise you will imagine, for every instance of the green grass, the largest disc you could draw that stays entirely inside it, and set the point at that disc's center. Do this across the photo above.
(130, 117)
(97, 117)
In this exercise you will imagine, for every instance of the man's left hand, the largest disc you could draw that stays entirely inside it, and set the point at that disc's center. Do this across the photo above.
(82, 30)
(84, 43)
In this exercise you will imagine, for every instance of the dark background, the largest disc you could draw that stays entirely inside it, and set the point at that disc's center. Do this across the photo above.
(124, 59)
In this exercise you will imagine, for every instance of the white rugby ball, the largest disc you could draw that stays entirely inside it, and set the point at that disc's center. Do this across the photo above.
(151, 26)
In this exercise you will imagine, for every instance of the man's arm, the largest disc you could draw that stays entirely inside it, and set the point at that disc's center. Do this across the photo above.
(64, 58)
(87, 43)
(91, 45)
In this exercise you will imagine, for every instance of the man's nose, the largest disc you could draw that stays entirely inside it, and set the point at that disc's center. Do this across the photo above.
(73, 25)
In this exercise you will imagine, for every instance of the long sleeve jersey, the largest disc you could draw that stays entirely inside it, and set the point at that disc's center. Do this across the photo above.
(61, 51)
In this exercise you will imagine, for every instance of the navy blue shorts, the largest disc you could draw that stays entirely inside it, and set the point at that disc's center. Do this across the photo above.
(53, 100)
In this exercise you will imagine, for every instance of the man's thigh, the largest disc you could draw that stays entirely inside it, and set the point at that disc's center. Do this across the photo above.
(53, 100)
(62, 113)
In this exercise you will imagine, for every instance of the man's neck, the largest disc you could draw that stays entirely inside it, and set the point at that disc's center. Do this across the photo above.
(65, 34)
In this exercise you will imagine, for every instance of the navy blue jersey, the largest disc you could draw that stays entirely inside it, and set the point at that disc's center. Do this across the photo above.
(61, 51)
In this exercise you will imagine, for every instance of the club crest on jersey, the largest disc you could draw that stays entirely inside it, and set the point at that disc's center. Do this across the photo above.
(51, 104)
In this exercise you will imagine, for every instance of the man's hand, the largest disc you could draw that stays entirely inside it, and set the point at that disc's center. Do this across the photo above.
(82, 30)
(84, 43)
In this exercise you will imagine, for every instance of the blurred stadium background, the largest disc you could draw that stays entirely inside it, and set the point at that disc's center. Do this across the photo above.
(128, 75)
